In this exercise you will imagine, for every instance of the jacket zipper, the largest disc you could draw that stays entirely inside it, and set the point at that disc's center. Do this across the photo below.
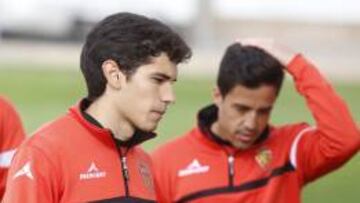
(125, 171)
(231, 160)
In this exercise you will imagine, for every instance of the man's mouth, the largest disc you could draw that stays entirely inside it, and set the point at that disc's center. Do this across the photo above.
(159, 113)
(244, 137)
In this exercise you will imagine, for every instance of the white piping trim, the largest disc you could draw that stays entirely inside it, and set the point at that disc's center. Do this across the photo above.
(6, 157)
(294, 146)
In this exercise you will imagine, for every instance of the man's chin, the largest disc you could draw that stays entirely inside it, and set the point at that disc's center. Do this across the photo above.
(242, 146)
(149, 128)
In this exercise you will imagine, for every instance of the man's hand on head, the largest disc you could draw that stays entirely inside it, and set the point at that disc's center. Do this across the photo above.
(280, 51)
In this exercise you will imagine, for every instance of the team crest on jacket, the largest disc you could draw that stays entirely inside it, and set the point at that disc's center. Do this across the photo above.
(146, 176)
(264, 157)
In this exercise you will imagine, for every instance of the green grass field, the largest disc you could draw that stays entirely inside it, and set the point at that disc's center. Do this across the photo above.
(41, 96)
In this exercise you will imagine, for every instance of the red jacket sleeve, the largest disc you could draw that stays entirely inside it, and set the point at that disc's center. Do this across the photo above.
(335, 138)
(32, 178)
(11, 135)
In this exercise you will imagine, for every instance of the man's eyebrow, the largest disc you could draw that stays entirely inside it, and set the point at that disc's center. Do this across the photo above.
(237, 105)
(268, 108)
(164, 76)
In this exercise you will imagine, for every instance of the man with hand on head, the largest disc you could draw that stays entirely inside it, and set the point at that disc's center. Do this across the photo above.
(235, 155)
(92, 153)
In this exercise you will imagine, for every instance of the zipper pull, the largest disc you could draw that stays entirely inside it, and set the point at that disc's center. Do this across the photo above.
(231, 169)
(231, 165)
(125, 169)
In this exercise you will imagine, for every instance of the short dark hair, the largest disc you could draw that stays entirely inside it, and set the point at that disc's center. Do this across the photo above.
(248, 66)
(130, 40)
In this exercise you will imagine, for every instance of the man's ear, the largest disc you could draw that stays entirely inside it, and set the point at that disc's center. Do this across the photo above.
(114, 77)
(217, 97)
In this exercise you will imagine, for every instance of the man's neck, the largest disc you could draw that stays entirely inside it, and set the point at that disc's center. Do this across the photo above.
(214, 128)
(105, 113)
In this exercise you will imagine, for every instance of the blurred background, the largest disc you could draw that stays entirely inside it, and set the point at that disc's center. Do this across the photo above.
(40, 43)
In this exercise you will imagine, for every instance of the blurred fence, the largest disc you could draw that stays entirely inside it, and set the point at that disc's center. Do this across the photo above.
(334, 48)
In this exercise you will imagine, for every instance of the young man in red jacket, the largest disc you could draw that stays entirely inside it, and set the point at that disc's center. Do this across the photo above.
(235, 155)
(11, 135)
(91, 154)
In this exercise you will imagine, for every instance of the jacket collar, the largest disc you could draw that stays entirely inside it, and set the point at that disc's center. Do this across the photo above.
(94, 126)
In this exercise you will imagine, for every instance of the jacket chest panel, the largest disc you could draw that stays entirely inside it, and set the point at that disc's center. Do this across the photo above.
(219, 172)
(99, 175)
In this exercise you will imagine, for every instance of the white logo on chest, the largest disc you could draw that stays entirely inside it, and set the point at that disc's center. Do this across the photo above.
(92, 173)
(193, 168)
(24, 171)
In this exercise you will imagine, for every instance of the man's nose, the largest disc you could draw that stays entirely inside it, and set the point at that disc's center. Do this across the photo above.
(167, 94)
(250, 121)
